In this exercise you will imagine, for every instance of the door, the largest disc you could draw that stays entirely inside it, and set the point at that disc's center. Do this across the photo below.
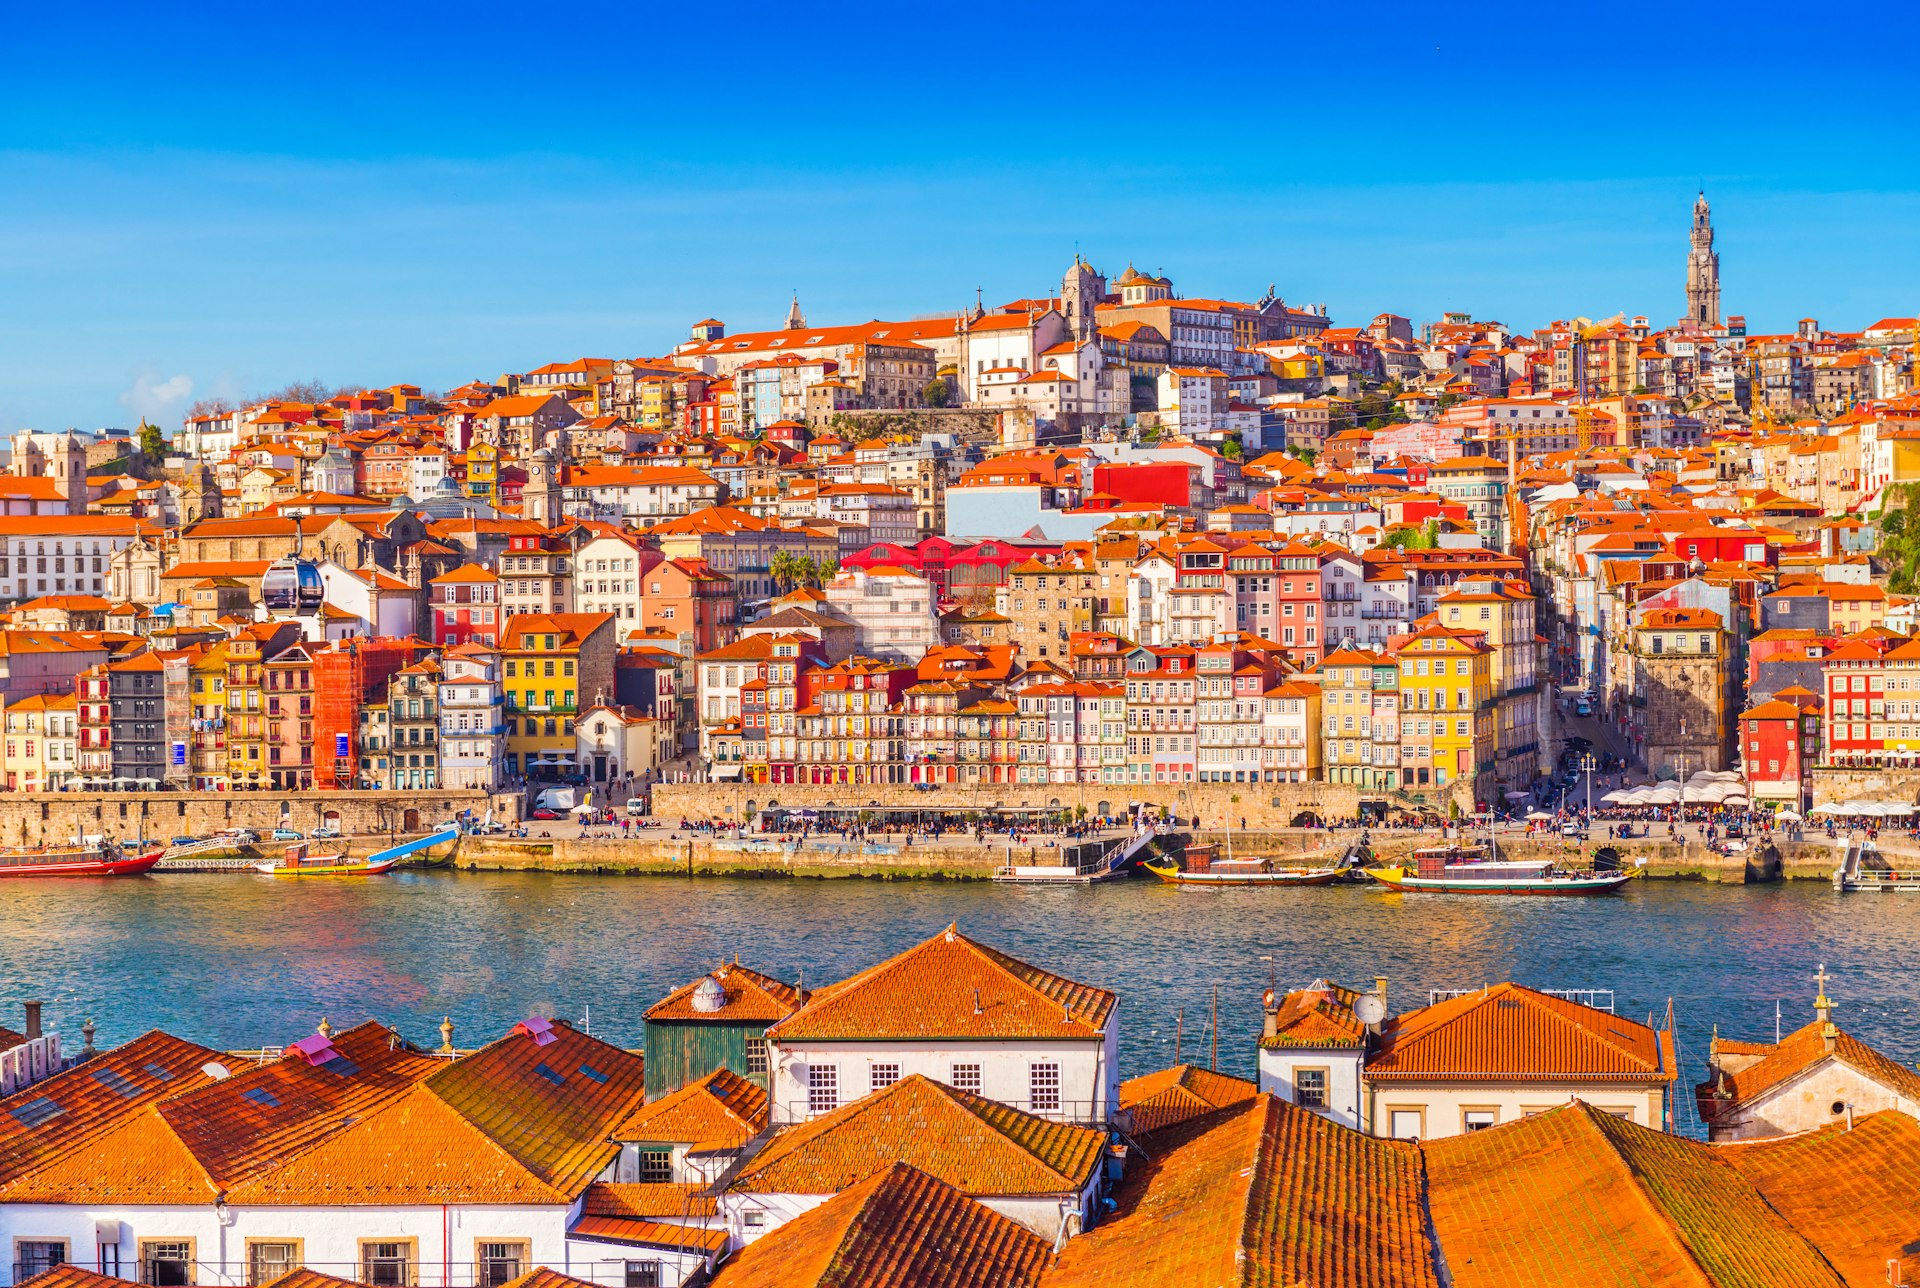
(410, 821)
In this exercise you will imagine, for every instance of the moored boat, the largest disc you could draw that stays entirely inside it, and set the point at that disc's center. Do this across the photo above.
(1453, 869)
(296, 862)
(99, 859)
(1201, 868)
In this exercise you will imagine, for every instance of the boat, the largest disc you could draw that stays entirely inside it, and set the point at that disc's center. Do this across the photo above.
(94, 859)
(1459, 869)
(1201, 868)
(296, 862)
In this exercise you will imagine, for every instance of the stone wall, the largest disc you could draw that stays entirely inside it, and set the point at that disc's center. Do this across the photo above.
(1833, 785)
(1260, 804)
(54, 817)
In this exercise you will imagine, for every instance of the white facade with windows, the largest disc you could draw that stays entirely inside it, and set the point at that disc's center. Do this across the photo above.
(1071, 1081)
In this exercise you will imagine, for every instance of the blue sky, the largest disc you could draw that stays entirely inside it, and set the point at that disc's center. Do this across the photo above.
(221, 201)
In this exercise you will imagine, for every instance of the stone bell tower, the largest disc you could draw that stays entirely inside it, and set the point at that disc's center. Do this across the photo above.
(1703, 269)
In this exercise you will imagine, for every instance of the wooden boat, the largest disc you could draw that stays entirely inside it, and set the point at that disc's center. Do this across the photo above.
(103, 859)
(1241, 872)
(1200, 867)
(1453, 869)
(296, 862)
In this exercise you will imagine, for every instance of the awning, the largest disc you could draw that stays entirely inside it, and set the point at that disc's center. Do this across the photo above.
(727, 773)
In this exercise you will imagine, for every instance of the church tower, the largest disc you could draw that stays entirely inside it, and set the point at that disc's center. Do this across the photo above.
(1080, 293)
(1703, 269)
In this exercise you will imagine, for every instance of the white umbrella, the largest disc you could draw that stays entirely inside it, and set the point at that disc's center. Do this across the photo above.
(1789, 816)
(1663, 796)
(1539, 816)
(1734, 798)
(582, 808)
(1518, 796)
(1616, 798)
(1826, 808)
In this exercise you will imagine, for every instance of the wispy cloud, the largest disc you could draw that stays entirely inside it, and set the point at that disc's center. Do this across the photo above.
(154, 399)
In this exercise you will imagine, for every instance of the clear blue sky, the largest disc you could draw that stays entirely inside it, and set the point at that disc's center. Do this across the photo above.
(197, 200)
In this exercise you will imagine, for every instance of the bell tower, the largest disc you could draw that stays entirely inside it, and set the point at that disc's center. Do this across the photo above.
(1080, 293)
(1703, 268)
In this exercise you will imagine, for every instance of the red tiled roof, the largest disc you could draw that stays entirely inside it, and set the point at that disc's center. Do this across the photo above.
(979, 1146)
(1508, 1031)
(747, 997)
(1792, 1056)
(1262, 1195)
(951, 987)
(1168, 1097)
(720, 1111)
(898, 1228)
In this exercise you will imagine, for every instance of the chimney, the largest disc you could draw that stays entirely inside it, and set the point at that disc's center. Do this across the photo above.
(1380, 988)
(33, 1019)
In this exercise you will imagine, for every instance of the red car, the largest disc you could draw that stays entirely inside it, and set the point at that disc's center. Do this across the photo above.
(544, 815)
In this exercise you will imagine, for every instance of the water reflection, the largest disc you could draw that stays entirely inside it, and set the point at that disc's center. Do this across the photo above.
(241, 961)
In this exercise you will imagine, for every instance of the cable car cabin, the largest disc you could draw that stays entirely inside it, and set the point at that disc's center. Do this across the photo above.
(293, 586)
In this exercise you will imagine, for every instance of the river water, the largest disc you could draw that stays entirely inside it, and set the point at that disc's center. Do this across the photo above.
(242, 961)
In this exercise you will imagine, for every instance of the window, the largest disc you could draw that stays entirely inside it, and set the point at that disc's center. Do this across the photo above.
(1310, 1088)
(656, 1166)
(753, 1220)
(756, 1055)
(500, 1262)
(1408, 1124)
(266, 1262)
(1477, 1119)
(1043, 1087)
(642, 1274)
(823, 1088)
(386, 1264)
(167, 1262)
(885, 1075)
(35, 1256)
(966, 1077)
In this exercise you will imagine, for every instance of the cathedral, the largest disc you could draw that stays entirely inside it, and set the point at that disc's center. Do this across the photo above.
(1703, 269)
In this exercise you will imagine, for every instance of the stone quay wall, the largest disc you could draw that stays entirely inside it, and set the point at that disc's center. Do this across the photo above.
(1262, 805)
(43, 818)
(885, 859)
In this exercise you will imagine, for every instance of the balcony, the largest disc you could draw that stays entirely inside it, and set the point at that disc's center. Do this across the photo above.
(541, 708)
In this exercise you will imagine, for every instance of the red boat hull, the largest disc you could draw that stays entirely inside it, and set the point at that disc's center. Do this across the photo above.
(27, 864)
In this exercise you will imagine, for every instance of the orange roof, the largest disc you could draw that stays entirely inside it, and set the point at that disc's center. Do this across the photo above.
(468, 572)
(1511, 1032)
(898, 1228)
(976, 1145)
(720, 1111)
(645, 1200)
(1792, 1056)
(950, 987)
(747, 996)
(1576, 1196)
(1318, 1016)
(1168, 1097)
(1846, 1188)
(1261, 1195)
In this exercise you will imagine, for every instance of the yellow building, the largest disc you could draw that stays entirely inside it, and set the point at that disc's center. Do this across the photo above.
(1446, 706)
(1503, 611)
(246, 733)
(207, 753)
(483, 472)
(550, 664)
(40, 743)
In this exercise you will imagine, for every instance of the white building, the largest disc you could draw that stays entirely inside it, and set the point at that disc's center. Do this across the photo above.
(1469, 1061)
(962, 1014)
(473, 739)
(892, 611)
(381, 603)
(647, 493)
(62, 555)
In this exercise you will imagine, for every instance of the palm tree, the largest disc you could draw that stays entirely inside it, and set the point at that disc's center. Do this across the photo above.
(784, 569)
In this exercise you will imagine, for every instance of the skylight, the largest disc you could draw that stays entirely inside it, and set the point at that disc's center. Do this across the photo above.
(592, 1074)
(116, 1082)
(262, 1097)
(160, 1072)
(36, 1113)
(551, 1074)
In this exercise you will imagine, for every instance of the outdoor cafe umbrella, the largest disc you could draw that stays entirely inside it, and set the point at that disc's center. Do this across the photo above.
(1826, 808)
(1539, 816)
(1787, 815)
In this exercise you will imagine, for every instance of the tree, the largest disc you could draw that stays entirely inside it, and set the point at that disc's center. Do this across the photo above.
(783, 570)
(300, 391)
(1231, 449)
(1893, 523)
(153, 444)
(937, 393)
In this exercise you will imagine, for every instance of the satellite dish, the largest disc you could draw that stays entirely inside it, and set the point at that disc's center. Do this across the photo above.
(1369, 1008)
(216, 1071)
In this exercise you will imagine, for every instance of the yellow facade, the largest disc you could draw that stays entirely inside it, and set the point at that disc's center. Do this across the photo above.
(1446, 707)
(540, 675)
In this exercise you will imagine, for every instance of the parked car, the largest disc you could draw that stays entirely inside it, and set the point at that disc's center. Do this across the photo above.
(635, 806)
(545, 815)
(324, 833)
(489, 829)
(239, 835)
(184, 840)
(1573, 831)
(286, 834)
(1583, 708)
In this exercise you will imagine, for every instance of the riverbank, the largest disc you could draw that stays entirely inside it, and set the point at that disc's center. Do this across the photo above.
(947, 859)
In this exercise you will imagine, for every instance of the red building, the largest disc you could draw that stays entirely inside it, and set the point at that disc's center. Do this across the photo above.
(1151, 483)
(1298, 626)
(464, 606)
(954, 567)
(1780, 743)
(346, 677)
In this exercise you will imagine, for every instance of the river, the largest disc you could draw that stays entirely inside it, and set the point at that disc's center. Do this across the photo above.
(242, 961)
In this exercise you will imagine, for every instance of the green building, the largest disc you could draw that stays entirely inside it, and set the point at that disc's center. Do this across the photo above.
(719, 1021)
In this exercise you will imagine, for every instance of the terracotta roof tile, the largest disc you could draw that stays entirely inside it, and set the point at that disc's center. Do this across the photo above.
(1850, 1192)
(951, 987)
(979, 1146)
(1515, 1032)
(1265, 1195)
(1169, 1097)
(1578, 1197)
(899, 1228)
(653, 1234)
(640, 1201)
(1792, 1056)
(749, 997)
(720, 1111)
